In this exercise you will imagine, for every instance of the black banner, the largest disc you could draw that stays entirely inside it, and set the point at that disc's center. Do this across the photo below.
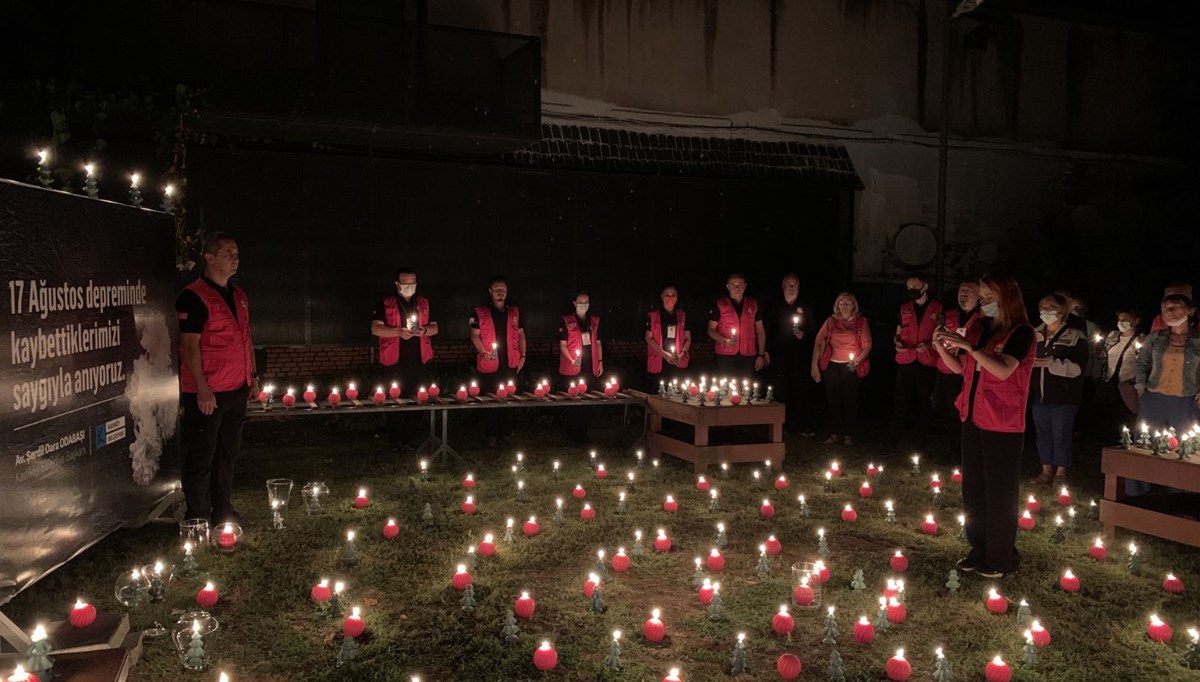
(89, 383)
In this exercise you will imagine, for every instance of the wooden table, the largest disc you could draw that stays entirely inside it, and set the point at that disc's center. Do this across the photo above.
(1119, 464)
(700, 451)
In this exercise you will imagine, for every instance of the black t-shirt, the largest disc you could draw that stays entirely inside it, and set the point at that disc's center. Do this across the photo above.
(918, 312)
(1019, 342)
(780, 336)
(193, 313)
(500, 324)
(667, 321)
(409, 348)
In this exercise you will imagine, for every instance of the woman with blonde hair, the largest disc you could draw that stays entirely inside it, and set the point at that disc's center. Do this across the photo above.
(840, 361)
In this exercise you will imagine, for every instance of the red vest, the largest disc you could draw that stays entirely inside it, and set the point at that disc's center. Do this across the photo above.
(744, 325)
(389, 347)
(954, 324)
(654, 361)
(487, 334)
(914, 332)
(575, 345)
(863, 367)
(999, 405)
(226, 354)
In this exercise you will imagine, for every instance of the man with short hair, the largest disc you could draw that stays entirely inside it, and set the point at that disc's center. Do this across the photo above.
(216, 375)
(497, 334)
(916, 358)
(404, 327)
(735, 325)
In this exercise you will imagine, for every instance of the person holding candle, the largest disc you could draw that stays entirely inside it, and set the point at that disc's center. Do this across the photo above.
(497, 332)
(1057, 386)
(947, 385)
(916, 360)
(840, 360)
(404, 327)
(216, 377)
(996, 365)
(1117, 394)
(668, 341)
(1167, 376)
(579, 347)
(735, 325)
(789, 345)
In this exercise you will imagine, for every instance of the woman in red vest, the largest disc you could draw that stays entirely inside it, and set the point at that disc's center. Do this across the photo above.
(579, 348)
(996, 364)
(840, 360)
(668, 341)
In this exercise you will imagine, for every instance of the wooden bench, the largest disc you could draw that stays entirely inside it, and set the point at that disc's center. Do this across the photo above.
(1118, 464)
(700, 451)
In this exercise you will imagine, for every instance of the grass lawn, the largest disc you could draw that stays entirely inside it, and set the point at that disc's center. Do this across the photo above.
(270, 630)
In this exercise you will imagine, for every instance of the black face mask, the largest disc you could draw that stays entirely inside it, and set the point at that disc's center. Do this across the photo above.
(914, 294)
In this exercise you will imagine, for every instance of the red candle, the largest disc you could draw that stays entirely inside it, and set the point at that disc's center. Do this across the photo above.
(670, 505)
(802, 594)
(461, 394)
(821, 576)
(227, 538)
(83, 614)
(539, 391)
(956, 477)
(468, 505)
(320, 592)
(1032, 505)
(334, 397)
(379, 398)
(929, 527)
(589, 585)
(892, 589)
(865, 490)
(488, 546)
(781, 483)
(864, 632)
(545, 657)
(849, 515)
(899, 562)
(735, 399)
(572, 390)
(469, 482)
(935, 482)
(783, 623)
(20, 675)
(525, 606)
(582, 387)
(390, 529)
(362, 501)
(872, 470)
(997, 670)
(896, 612)
(309, 394)
(715, 562)
(788, 666)
(207, 597)
(996, 603)
(1025, 522)
(423, 395)
(1158, 629)
(662, 543)
(434, 391)
(393, 391)
(706, 592)
(263, 396)
(1171, 583)
(620, 561)
(702, 484)
(897, 668)
(610, 390)
(1064, 497)
(579, 493)
(693, 390)
(502, 392)
(767, 509)
(473, 391)
(1039, 634)
(835, 468)
(1069, 581)
(587, 513)
(774, 546)
(601, 472)
(461, 578)
(352, 391)
(289, 398)
(531, 527)
(352, 625)
(1098, 551)
(654, 630)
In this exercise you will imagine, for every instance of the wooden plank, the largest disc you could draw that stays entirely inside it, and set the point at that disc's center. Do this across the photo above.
(1151, 522)
(1170, 471)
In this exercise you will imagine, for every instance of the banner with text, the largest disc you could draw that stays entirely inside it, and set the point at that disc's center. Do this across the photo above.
(89, 387)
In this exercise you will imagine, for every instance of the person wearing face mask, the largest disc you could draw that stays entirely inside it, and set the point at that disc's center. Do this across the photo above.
(948, 385)
(579, 351)
(916, 360)
(499, 339)
(735, 325)
(996, 362)
(403, 326)
(1120, 348)
(1056, 387)
(840, 360)
(668, 341)
(1182, 288)
(789, 343)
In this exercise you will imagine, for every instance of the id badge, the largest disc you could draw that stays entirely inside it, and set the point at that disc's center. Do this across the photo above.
(587, 338)
(670, 331)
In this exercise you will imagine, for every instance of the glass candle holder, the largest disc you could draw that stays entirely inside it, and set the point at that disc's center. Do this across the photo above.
(182, 634)
(313, 494)
(132, 589)
(802, 570)
(195, 531)
(279, 492)
(227, 536)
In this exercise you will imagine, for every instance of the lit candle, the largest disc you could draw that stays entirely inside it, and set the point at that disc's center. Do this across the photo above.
(461, 578)
(352, 625)
(208, 596)
(653, 629)
(227, 537)
(997, 670)
(1069, 582)
(1158, 629)
(362, 501)
(1098, 551)
(390, 529)
(83, 614)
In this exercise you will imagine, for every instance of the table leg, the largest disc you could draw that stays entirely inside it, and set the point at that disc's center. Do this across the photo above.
(701, 439)
(777, 433)
(431, 442)
(444, 448)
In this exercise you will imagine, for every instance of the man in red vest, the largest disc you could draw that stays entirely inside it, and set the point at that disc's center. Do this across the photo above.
(216, 375)
(735, 325)
(580, 355)
(404, 327)
(498, 335)
(916, 359)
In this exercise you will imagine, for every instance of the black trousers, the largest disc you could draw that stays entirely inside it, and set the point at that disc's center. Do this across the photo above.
(793, 383)
(412, 374)
(991, 466)
(841, 397)
(211, 444)
(497, 423)
(738, 367)
(946, 388)
(914, 387)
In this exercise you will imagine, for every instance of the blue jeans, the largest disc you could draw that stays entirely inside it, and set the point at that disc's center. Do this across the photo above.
(1055, 427)
(1161, 411)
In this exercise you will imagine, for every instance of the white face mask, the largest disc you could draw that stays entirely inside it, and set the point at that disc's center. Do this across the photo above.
(990, 309)
(407, 290)
(581, 309)
(1178, 323)
(1048, 316)
(1124, 326)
